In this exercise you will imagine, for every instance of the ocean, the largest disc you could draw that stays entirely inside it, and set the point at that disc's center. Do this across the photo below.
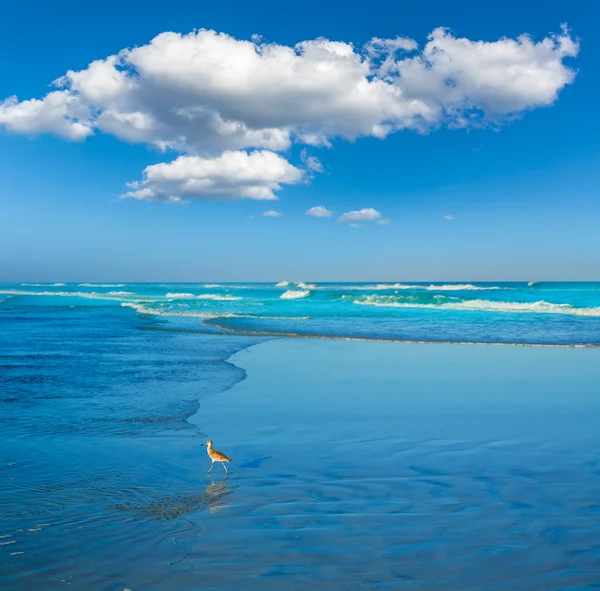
(509, 313)
(359, 462)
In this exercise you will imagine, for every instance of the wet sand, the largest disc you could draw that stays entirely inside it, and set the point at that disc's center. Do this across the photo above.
(374, 465)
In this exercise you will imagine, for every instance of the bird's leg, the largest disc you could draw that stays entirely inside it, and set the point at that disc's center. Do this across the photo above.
(211, 467)
(224, 466)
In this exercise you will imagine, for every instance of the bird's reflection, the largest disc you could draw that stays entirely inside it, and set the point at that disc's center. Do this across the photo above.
(216, 491)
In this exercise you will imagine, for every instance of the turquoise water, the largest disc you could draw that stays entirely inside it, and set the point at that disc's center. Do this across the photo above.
(534, 313)
(486, 474)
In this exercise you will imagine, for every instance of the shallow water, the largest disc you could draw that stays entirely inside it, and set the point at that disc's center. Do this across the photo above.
(357, 465)
(93, 416)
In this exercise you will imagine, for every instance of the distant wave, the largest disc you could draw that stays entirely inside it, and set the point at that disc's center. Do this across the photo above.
(43, 284)
(293, 294)
(205, 296)
(100, 285)
(90, 295)
(461, 287)
(41, 293)
(532, 283)
(540, 307)
(222, 285)
(303, 285)
(432, 287)
(282, 284)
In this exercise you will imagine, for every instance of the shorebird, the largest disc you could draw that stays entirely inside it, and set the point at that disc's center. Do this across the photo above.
(216, 456)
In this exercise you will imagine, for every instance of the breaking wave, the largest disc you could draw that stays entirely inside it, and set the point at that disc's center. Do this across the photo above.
(282, 284)
(539, 307)
(143, 309)
(295, 294)
(303, 285)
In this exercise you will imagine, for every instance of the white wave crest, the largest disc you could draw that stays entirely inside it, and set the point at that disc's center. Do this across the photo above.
(303, 285)
(119, 293)
(294, 294)
(178, 295)
(540, 307)
(217, 297)
(282, 284)
(101, 285)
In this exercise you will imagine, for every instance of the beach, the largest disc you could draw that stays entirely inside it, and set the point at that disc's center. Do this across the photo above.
(356, 465)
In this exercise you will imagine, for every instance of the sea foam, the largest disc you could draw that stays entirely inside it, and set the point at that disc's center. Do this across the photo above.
(539, 307)
(294, 294)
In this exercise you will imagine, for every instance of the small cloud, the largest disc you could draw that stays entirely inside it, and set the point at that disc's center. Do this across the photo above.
(312, 163)
(449, 217)
(367, 214)
(320, 211)
(383, 222)
(354, 225)
(272, 214)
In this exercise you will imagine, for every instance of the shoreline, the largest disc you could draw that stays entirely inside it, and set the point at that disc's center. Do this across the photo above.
(291, 335)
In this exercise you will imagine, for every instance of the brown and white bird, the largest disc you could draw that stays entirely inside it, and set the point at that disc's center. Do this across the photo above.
(216, 456)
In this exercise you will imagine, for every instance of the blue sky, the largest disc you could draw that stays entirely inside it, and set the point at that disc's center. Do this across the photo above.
(523, 195)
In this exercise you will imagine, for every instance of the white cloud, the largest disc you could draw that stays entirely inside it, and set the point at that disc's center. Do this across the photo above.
(204, 93)
(233, 175)
(449, 217)
(363, 215)
(60, 112)
(354, 225)
(272, 214)
(319, 211)
(383, 222)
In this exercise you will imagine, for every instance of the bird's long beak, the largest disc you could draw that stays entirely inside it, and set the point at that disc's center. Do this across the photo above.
(202, 444)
